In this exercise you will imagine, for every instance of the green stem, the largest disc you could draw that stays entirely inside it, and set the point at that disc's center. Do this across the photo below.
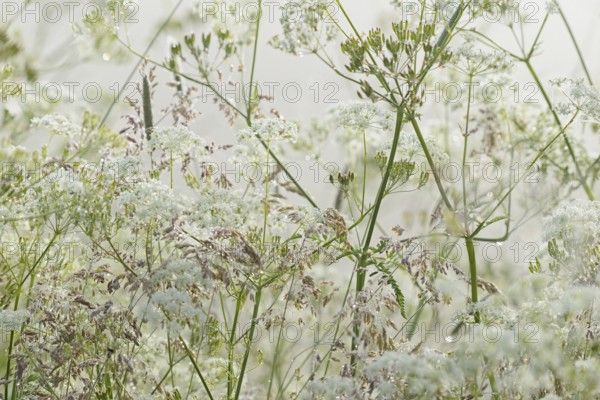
(361, 269)
(473, 271)
(254, 52)
(582, 179)
(249, 343)
(195, 364)
(434, 171)
(464, 158)
(279, 336)
(230, 377)
(575, 44)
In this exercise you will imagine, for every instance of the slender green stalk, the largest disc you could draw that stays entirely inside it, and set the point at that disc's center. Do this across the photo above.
(249, 341)
(195, 364)
(575, 44)
(473, 272)
(231, 345)
(361, 267)
(465, 150)
(279, 336)
(431, 163)
(582, 179)
(254, 53)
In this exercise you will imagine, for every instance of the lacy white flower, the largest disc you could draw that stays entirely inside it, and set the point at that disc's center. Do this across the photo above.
(306, 27)
(414, 375)
(250, 154)
(475, 61)
(182, 274)
(176, 141)
(223, 208)
(581, 96)
(128, 169)
(362, 115)
(150, 202)
(357, 122)
(269, 130)
(174, 308)
(409, 147)
(57, 125)
(575, 222)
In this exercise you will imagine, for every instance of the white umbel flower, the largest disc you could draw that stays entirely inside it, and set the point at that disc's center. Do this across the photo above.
(57, 124)
(150, 202)
(177, 141)
(306, 26)
(574, 222)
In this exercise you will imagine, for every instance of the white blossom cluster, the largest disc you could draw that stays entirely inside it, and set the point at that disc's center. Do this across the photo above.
(581, 96)
(409, 148)
(177, 142)
(57, 124)
(476, 61)
(151, 202)
(224, 208)
(362, 115)
(358, 122)
(274, 133)
(576, 222)
(305, 30)
(270, 130)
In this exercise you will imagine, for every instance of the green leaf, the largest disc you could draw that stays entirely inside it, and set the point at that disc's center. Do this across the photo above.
(535, 268)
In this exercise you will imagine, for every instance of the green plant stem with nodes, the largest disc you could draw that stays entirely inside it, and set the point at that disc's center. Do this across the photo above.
(362, 260)
(361, 263)
(473, 272)
(430, 162)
